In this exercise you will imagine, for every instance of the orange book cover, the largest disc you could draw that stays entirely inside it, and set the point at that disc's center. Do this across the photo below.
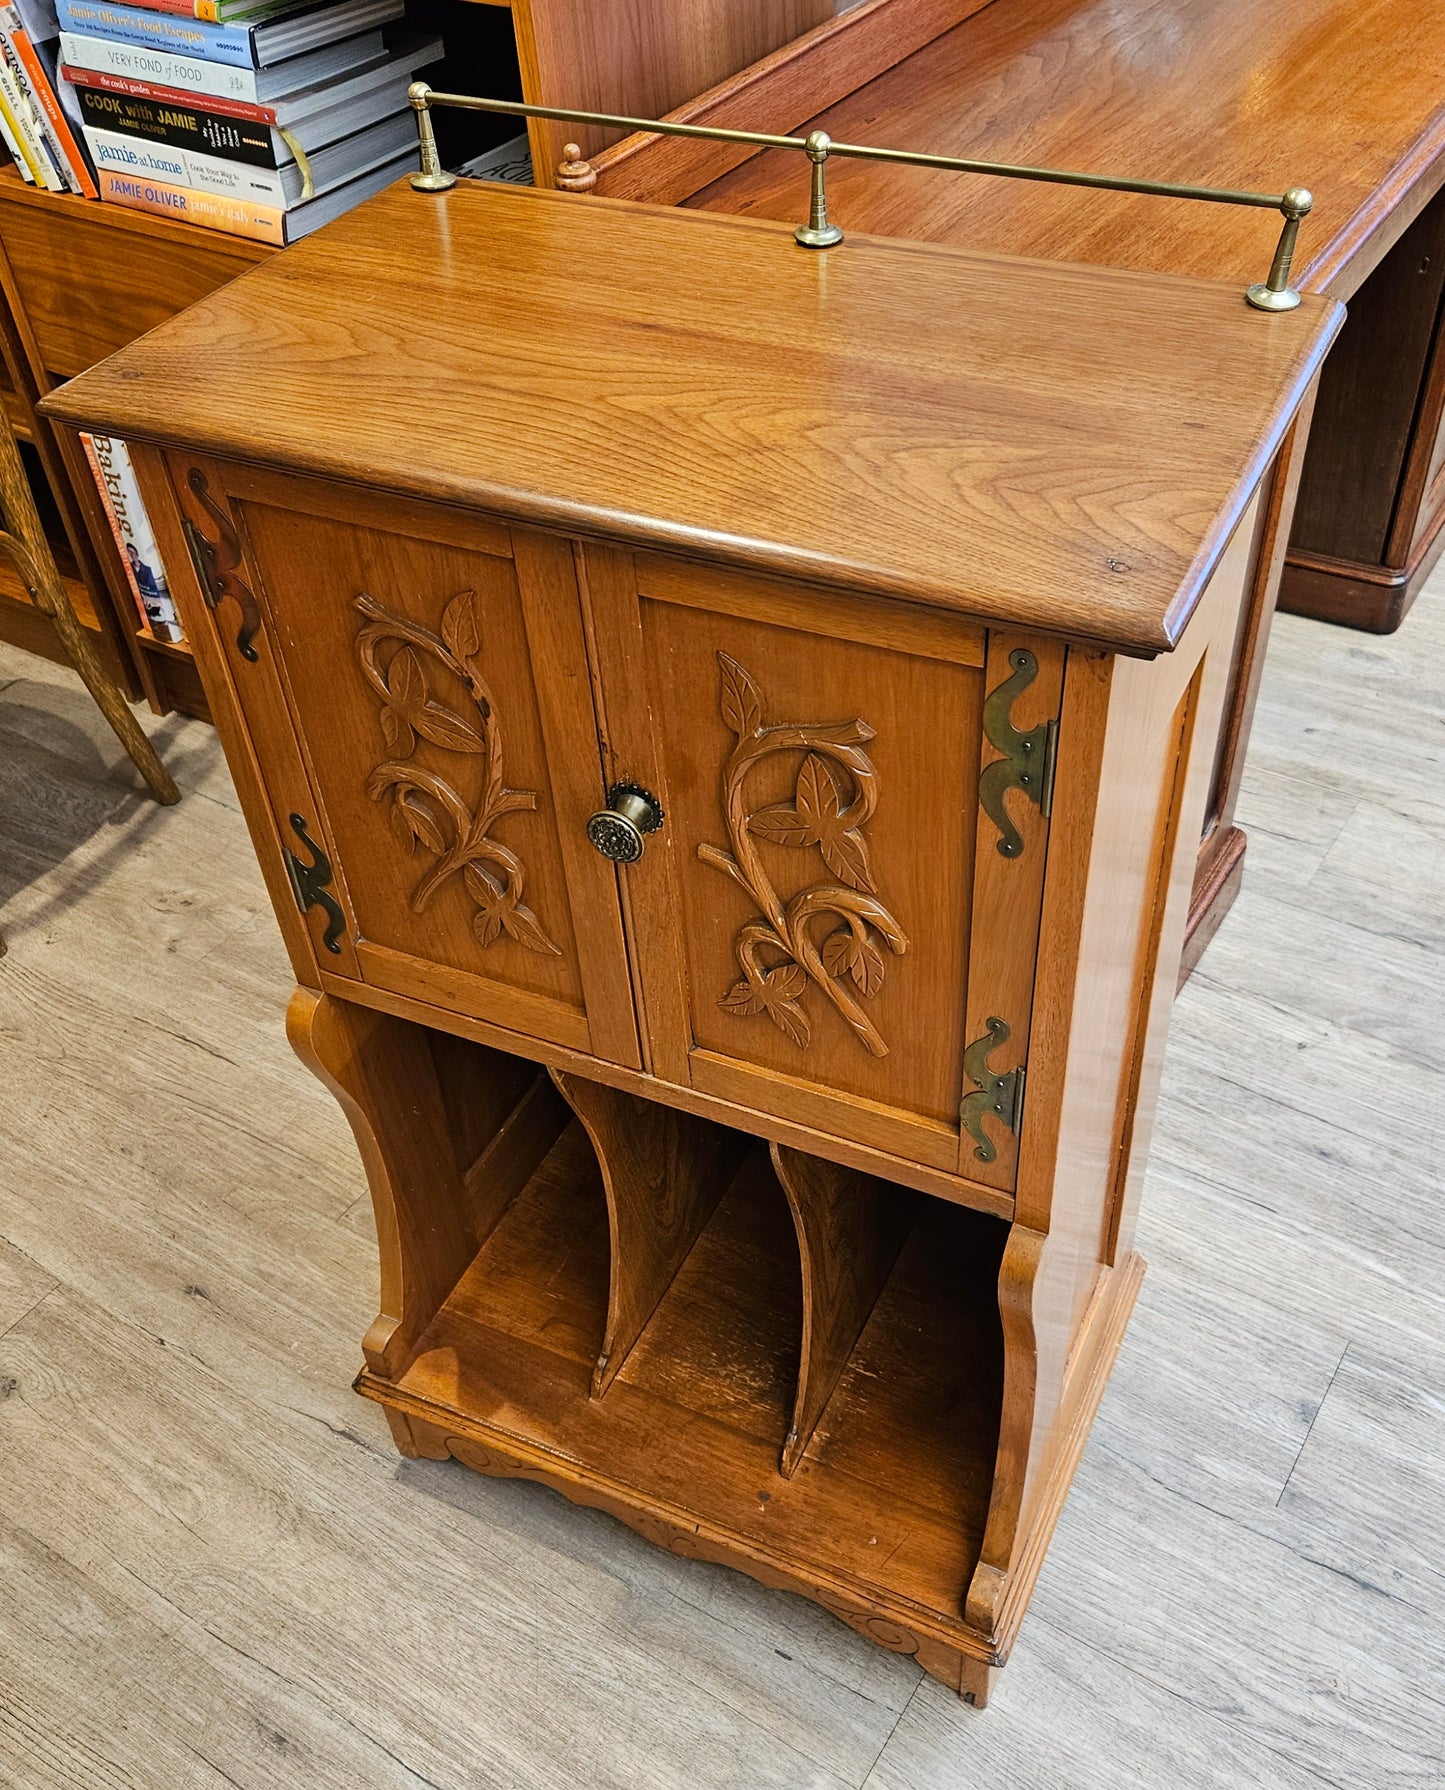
(56, 119)
(237, 217)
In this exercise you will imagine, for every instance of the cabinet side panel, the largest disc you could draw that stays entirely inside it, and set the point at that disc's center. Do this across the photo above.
(1115, 905)
(641, 59)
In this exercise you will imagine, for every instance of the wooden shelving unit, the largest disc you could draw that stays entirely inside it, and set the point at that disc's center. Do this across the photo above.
(80, 280)
(891, 1493)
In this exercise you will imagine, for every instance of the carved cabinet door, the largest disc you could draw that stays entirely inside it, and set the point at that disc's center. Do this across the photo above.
(837, 921)
(429, 668)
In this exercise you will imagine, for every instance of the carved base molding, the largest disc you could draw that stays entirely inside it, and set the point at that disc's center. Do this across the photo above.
(950, 1653)
(949, 1650)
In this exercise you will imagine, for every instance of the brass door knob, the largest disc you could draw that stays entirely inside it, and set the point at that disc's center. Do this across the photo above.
(620, 830)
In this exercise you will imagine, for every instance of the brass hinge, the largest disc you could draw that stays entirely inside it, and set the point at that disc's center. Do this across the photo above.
(310, 882)
(999, 1095)
(1029, 758)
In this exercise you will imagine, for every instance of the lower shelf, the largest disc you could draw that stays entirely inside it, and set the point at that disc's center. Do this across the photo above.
(890, 1496)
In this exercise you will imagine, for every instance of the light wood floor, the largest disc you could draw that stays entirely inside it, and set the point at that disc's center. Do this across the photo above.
(215, 1571)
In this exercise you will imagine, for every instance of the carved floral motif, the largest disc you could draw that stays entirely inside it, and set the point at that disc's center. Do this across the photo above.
(801, 940)
(425, 809)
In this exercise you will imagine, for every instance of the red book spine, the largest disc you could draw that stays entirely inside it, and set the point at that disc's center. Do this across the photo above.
(168, 96)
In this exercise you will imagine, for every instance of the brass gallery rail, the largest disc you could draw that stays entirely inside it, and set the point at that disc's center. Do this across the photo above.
(1271, 294)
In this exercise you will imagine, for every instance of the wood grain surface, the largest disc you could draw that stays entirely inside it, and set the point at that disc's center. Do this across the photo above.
(1335, 95)
(202, 1527)
(895, 419)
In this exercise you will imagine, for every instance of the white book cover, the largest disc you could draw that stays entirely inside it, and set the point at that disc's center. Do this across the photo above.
(190, 74)
(137, 540)
(25, 121)
(185, 167)
(182, 73)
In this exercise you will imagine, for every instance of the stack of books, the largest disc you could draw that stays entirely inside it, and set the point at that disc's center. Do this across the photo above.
(39, 116)
(263, 118)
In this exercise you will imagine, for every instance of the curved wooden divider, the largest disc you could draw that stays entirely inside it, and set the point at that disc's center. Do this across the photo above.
(851, 1227)
(664, 1172)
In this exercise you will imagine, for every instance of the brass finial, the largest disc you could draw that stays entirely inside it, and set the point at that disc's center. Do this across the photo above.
(433, 177)
(573, 174)
(1276, 293)
(818, 233)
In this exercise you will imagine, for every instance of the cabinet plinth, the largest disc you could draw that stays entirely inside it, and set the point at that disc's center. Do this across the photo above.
(769, 1183)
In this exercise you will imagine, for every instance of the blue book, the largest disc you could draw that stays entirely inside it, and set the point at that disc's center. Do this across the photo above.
(257, 45)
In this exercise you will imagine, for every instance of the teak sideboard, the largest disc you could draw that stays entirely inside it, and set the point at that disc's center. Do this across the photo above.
(726, 729)
(1338, 96)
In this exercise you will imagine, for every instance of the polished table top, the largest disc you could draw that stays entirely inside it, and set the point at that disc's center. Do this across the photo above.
(1346, 97)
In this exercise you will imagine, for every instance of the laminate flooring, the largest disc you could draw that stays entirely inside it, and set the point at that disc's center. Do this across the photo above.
(215, 1570)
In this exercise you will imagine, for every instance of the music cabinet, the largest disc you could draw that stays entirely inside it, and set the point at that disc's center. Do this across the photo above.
(726, 729)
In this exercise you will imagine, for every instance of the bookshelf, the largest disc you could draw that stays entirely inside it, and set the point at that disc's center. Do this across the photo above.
(80, 280)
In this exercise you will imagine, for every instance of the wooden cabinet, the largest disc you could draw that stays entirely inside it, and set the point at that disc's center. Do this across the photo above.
(729, 775)
(1368, 525)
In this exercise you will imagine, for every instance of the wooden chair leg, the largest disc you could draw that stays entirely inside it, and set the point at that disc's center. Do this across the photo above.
(23, 542)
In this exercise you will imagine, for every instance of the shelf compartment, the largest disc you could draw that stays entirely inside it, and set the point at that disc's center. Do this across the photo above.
(664, 1172)
(850, 1229)
(888, 1500)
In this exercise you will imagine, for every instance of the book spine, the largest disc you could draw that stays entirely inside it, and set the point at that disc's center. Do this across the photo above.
(30, 118)
(185, 167)
(77, 170)
(101, 81)
(237, 217)
(190, 9)
(12, 143)
(182, 73)
(179, 127)
(214, 11)
(180, 36)
(140, 557)
(22, 122)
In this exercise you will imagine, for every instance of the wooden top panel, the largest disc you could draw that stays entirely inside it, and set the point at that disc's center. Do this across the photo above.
(1341, 96)
(1065, 448)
